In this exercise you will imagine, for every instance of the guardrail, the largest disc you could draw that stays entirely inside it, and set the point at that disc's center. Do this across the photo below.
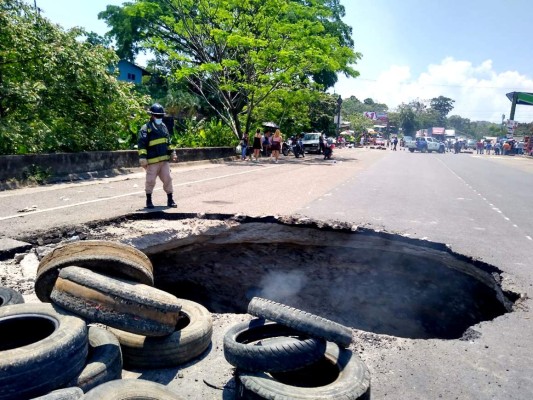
(16, 169)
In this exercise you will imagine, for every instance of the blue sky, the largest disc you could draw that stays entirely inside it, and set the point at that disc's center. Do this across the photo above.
(472, 51)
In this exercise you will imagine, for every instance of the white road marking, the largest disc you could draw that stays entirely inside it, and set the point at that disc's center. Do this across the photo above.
(484, 199)
(132, 194)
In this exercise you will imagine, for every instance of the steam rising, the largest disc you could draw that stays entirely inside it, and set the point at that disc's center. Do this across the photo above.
(282, 286)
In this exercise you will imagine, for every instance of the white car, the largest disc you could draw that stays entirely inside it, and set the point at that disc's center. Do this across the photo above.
(311, 142)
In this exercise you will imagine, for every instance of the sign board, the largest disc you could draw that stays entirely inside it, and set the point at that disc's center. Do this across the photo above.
(511, 125)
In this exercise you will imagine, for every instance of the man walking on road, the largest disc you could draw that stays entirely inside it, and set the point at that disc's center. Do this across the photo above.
(155, 152)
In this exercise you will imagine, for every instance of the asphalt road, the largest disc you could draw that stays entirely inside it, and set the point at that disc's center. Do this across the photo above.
(481, 206)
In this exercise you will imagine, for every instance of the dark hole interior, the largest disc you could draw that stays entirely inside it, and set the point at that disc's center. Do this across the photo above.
(374, 287)
(22, 330)
(321, 373)
(183, 321)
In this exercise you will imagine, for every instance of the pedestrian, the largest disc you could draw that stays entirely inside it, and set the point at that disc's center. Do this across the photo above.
(489, 147)
(321, 144)
(155, 152)
(457, 147)
(266, 144)
(506, 148)
(479, 147)
(244, 146)
(497, 148)
(395, 143)
(276, 144)
(257, 144)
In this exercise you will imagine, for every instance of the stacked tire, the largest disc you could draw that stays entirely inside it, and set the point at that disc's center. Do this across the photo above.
(287, 353)
(112, 284)
(102, 283)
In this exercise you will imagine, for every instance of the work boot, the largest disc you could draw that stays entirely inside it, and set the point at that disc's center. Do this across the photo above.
(149, 203)
(170, 201)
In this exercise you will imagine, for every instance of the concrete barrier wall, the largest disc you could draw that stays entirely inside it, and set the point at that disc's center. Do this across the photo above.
(60, 165)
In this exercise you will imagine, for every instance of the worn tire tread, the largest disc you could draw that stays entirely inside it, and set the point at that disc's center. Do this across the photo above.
(303, 321)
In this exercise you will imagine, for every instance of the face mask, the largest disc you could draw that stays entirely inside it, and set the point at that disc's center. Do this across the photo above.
(158, 121)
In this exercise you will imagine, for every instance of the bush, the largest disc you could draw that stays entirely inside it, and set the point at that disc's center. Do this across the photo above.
(205, 134)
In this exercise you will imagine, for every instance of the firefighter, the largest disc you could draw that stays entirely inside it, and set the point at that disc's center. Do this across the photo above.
(155, 152)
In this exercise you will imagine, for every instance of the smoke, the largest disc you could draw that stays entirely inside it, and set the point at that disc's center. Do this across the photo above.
(281, 286)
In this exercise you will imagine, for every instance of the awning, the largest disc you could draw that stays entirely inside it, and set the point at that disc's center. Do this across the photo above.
(522, 98)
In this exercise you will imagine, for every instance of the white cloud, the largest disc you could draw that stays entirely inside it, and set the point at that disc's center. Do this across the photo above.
(478, 90)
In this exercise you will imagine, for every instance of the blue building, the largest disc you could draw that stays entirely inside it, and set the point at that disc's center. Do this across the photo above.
(130, 72)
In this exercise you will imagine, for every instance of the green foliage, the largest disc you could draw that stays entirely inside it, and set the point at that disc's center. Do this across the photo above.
(37, 174)
(352, 105)
(56, 92)
(236, 53)
(407, 119)
(442, 107)
(359, 123)
(204, 134)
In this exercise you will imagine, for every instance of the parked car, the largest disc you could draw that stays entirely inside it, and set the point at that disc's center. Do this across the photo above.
(426, 144)
(406, 140)
(470, 144)
(380, 141)
(311, 142)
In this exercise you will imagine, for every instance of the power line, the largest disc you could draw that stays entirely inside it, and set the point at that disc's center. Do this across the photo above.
(452, 86)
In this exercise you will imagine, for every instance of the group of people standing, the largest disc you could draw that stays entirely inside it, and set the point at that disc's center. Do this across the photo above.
(262, 144)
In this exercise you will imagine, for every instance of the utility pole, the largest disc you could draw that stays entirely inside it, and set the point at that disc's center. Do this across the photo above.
(513, 106)
(339, 106)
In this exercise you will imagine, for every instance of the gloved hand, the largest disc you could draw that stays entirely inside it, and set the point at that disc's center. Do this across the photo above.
(143, 162)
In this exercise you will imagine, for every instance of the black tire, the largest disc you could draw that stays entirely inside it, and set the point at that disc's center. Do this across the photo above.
(10, 296)
(285, 152)
(104, 362)
(134, 389)
(184, 344)
(351, 380)
(119, 303)
(71, 393)
(42, 348)
(287, 349)
(113, 259)
(300, 320)
(412, 150)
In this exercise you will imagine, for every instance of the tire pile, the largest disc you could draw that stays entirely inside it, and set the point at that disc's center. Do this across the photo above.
(286, 354)
(48, 350)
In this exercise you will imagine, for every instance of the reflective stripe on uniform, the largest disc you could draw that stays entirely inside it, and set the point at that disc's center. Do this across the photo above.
(142, 152)
(157, 141)
(158, 159)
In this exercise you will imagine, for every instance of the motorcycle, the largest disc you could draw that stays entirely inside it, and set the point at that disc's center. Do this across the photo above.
(328, 149)
(286, 148)
(298, 148)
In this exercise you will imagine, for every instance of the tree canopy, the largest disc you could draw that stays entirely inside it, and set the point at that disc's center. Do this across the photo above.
(57, 93)
(236, 53)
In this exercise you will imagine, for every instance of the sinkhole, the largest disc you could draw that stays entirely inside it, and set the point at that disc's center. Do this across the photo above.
(373, 281)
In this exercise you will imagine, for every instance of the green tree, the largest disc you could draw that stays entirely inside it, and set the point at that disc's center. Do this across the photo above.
(461, 125)
(359, 123)
(407, 119)
(57, 92)
(442, 106)
(236, 53)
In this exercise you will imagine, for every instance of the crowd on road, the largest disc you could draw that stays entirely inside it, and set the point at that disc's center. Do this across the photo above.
(267, 144)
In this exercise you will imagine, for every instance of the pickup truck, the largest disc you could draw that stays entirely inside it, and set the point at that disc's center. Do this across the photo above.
(426, 145)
